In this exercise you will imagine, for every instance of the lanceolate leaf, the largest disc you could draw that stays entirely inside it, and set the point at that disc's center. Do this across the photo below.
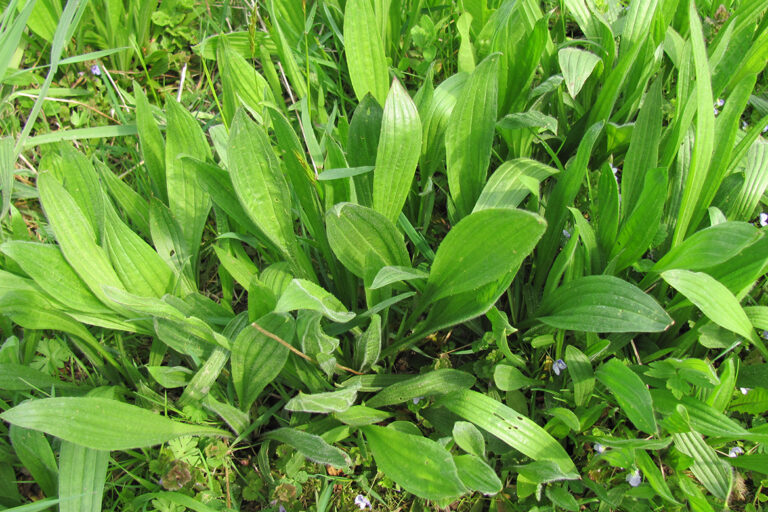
(508, 425)
(311, 446)
(302, 294)
(715, 301)
(365, 51)
(101, 423)
(577, 65)
(481, 249)
(438, 382)
(602, 304)
(713, 473)
(82, 474)
(419, 465)
(398, 152)
(332, 401)
(469, 136)
(630, 392)
(507, 187)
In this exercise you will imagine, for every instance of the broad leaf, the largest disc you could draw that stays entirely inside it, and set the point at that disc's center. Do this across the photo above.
(630, 392)
(313, 447)
(437, 382)
(576, 65)
(365, 51)
(82, 474)
(301, 294)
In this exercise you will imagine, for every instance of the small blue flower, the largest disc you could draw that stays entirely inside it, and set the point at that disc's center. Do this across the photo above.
(599, 449)
(720, 102)
(417, 400)
(634, 479)
(362, 502)
(95, 70)
(566, 234)
(281, 509)
(735, 452)
(763, 220)
(716, 111)
(559, 366)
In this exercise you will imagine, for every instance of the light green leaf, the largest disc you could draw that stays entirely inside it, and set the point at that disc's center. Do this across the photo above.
(437, 382)
(364, 49)
(715, 301)
(368, 345)
(36, 456)
(481, 249)
(398, 152)
(576, 65)
(359, 415)
(258, 359)
(529, 119)
(311, 446)
(469, 135)
(477, 475)
(545, 471)
(506, 188)
(602, 304)
(302, 294)
(580, 370)
(469, 438)
(653, 474)
(509, 378)
(151, 143)
(508, 425)
(630, 392)
(332, 401)
(396, 274)
(713, 473)
(82, 474)
(419, 465)
(101, 423)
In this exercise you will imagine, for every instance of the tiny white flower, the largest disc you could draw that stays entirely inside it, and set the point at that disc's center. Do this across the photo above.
(417, 400)
(744, 391)
(566, 234)
(559, 366)
(765, 129)
(763, 219)
(634, 479)
(598, 448)
(614, 169)
(744, 125)
(362, 502)
(735, 452)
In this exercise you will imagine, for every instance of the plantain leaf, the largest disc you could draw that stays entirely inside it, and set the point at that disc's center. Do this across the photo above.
(469, 438)
(258, 359)
(580, 370)
(630, 392)
(508, 185)
(302, 294)
(330, 402)
(481, 249)
(437, 382)
(364, 49)
(477, 475)
(101, 423)
(713, 473)
(397, 154)
(82, 474)
(469, 135)
(419, 465)
(602, 304)
(508, 425)
(313, 447)
(576, 65)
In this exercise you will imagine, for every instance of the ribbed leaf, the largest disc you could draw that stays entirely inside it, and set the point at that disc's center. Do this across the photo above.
(580, 370)
(438, 382)
(332, 401)
(302, 294)
(469, 135)
(398, 153)
(509, 185)
(469, 438)
(476, 474)
(602, 304)
(364, 48)
(82, 474)
(151, 143)
(311, 446)
(713, 473)
(576, 65)
(101, 423)
(630, 393)
(419, 465)
(508, 425)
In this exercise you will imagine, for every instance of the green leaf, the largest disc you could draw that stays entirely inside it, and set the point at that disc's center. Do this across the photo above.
(258, 359)
(46, 265)
(469, 135)
(332, 401)
(602, 304)
(101, 423)
(19, 377)
(398, 153)
(545, 471)
(481, 249)
(507, 187)
(241, 84)
(580, 370)
(653, 475)
(754, 402)
(260, 183)
(364, 50)
(576, 65)
(509, 378)
(560, 497)
(757, 462)
(363, 238)
(477, 475)
(188, 202)
(302, 294)
(437, 382)
(715, 301)
(630, 392)
(76, 237)
(151, 143)
(469, 438)
(508, 425)
(82, 475)
(713, 473)
(419, 465)
(359, 415)
(311, 446)
(396, 274)
(368, 345)
(529, 119)
(36, 456)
